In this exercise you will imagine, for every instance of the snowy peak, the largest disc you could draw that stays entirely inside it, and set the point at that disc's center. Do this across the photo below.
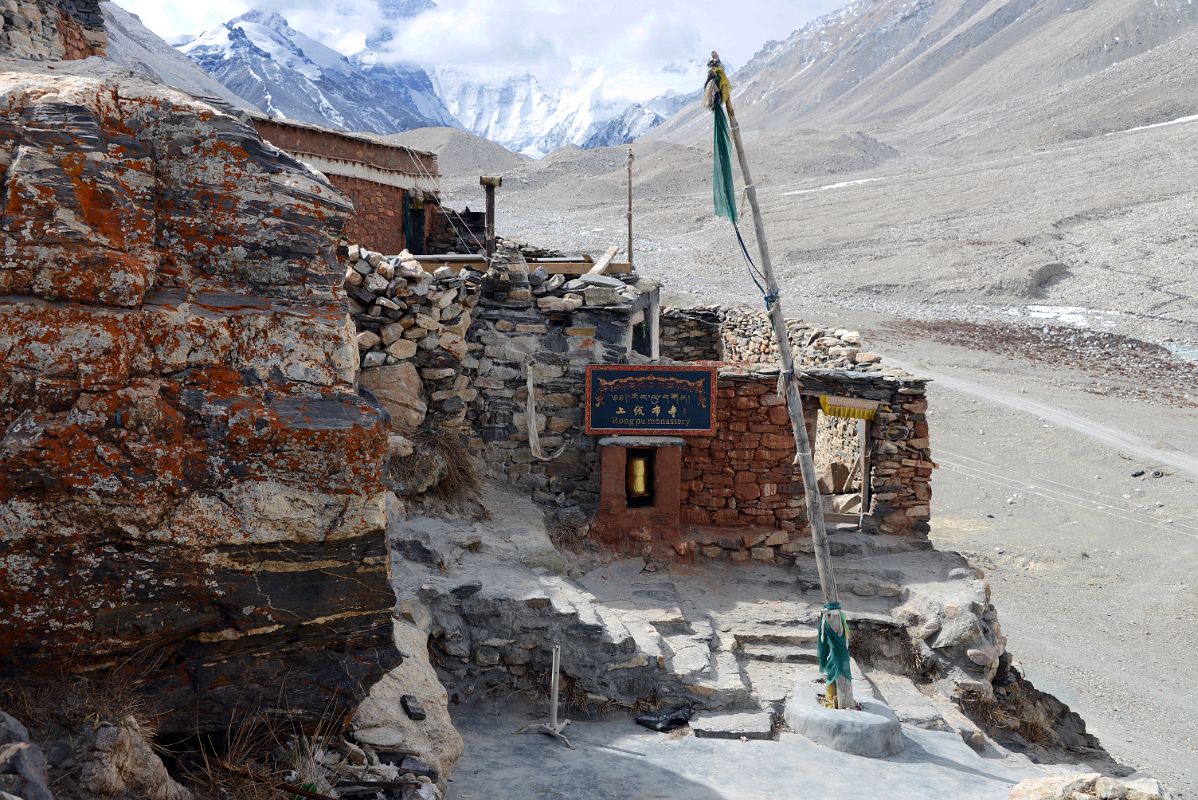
(588, 108)
(261, 58)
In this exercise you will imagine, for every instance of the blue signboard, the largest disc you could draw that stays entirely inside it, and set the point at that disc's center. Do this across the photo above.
(649, 399)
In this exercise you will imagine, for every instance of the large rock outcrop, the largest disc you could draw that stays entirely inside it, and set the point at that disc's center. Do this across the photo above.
(189, 482)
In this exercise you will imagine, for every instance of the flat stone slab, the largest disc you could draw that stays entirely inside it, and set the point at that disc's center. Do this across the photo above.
(734, 725)
(874, 731)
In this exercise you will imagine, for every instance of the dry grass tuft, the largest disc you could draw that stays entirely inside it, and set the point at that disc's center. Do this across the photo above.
(70, 701)
(439, 452)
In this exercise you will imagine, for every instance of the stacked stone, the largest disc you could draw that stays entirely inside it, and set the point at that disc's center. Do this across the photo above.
(691, 334)
(742, 477)
(52, 30)
(745, 336)
(560, 294)
(749, 338)
(412, 335)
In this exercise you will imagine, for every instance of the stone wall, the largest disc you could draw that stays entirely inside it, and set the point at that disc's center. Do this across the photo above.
(691, 334)
(742, 476)
(187, 474)
(378, 218)
(740, 335)
(555, 339)
(52, 30)
(898, 449)
(411, 328)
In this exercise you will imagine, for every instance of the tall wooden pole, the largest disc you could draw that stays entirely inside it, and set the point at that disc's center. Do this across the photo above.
(630, 208)
(794, 404)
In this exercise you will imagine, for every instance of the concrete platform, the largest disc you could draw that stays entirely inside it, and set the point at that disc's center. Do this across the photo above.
(873, 732)
(616, 760)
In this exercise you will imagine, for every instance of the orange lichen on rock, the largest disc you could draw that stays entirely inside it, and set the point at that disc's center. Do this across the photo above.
(178, 415)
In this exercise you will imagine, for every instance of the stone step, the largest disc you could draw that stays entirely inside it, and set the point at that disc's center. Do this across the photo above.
(689, 657)
(792, 635)
(725, 686)
(912, 706)
(615, 628)
(779, 653)
(733, 725)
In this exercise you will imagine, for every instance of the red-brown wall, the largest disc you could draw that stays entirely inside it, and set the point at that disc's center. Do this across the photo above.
(377, 221)
(740, 476)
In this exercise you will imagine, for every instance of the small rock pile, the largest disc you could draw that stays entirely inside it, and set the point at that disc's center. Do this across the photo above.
(748, 337)
(559, 294)
(1090, 786)
(412, 326)
(741, 335)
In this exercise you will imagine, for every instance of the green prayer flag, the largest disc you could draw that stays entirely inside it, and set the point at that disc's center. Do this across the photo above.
(722, 188)
(832, 649)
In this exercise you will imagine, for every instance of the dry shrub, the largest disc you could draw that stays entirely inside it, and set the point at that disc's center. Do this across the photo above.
(70, 701)
(461, 479)
(257, 758)
(566, 534)
(1031, 723)
(438, 452)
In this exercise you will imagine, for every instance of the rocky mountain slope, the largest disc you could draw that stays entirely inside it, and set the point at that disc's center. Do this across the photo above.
(973, 74)
(461, 153)
(131, 44)
(259, 57)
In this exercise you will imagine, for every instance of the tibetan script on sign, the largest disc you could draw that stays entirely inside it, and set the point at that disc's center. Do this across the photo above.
(650, 399)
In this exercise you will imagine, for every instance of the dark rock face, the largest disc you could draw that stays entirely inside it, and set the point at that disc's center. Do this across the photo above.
(189, 482)
(52, 29)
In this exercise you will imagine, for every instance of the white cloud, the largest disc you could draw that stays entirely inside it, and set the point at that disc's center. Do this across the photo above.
(545, 37)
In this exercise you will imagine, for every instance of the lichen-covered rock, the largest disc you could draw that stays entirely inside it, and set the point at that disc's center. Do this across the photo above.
(187, 473)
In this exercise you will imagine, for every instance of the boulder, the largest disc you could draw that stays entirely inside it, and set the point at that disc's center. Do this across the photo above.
(381, 717)
(118, 761)
(399, 388)
(184, 459)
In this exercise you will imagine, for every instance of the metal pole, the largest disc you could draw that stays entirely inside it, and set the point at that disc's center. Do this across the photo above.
(630, 157)
(794, 403)
(490, 184)
(553, 685)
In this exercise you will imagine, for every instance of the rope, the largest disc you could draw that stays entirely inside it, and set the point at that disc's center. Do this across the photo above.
(530, 417)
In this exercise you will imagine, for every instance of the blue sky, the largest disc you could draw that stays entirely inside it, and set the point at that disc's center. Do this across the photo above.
(517, 36)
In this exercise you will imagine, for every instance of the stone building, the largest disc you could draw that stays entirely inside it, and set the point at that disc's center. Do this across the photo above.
(729, 491)
(392, 187)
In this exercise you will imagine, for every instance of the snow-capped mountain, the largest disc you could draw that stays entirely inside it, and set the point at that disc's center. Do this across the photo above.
(635, 122)
(262, 59)
(589, 108)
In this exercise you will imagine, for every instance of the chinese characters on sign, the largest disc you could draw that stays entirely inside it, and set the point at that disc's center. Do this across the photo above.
(650, 399)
